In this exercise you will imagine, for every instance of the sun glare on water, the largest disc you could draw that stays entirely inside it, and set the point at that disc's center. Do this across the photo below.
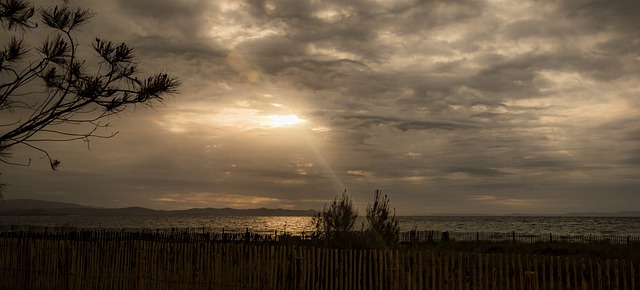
(283, 120)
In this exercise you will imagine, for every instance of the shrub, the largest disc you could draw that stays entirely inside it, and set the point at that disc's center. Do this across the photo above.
(383, 226)
(334, 224)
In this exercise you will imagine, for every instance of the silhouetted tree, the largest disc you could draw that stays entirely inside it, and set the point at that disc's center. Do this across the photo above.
(383, 226)
(48, 93)
(335, 223)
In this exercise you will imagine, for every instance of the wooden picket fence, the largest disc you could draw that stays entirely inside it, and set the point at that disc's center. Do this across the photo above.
(408, 237)
(113, 262)
(440, 236)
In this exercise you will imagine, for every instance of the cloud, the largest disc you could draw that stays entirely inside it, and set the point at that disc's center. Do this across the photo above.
(215, 199)
(510, 202)
(478, 171)
(170, 18)
(440, 103)
(404, 125)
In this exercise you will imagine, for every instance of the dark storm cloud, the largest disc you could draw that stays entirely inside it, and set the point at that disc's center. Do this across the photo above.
(602, 14)
(174, 29)
(627, 128)
(538, 28)
(183, 49)
(607, 58)
(632, 158)
(522, 76)
(506, 82)
(322, 74)
(275, 54)
(357, 26)
(404, 125)
(478, 171)
(350, 33)
(188, 16)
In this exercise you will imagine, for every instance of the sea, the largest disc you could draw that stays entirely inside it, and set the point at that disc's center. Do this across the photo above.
(537, 225)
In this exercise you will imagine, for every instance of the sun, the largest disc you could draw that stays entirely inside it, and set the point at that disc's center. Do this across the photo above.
(282, 120)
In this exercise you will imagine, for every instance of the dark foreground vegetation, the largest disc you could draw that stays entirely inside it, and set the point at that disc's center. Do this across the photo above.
(190, 259)
(577, 250)
(593, 246)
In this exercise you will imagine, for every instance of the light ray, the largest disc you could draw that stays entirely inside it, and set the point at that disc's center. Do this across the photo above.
(338, 185)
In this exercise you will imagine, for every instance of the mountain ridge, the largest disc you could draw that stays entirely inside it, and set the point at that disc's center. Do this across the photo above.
(42, 207)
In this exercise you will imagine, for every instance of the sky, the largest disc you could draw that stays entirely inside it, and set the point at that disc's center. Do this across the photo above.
(482, 106)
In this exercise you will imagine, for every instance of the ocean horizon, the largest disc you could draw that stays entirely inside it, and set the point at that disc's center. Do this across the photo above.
(557, 225)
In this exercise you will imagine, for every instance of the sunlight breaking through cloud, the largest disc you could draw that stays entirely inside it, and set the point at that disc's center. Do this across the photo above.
(283, 120)
(481, 106)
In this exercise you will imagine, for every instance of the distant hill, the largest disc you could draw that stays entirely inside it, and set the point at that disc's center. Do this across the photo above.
(41, 207)
(37, 204)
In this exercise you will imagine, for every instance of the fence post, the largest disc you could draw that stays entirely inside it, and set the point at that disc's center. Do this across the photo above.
(543, 274)
(503, 281)
(616, 273)
(27, 274)
(600, 277)
(530, 280)
(633, 273)
(551, 276)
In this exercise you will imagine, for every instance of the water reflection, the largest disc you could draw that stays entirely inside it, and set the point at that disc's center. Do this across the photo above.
(297, 224)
